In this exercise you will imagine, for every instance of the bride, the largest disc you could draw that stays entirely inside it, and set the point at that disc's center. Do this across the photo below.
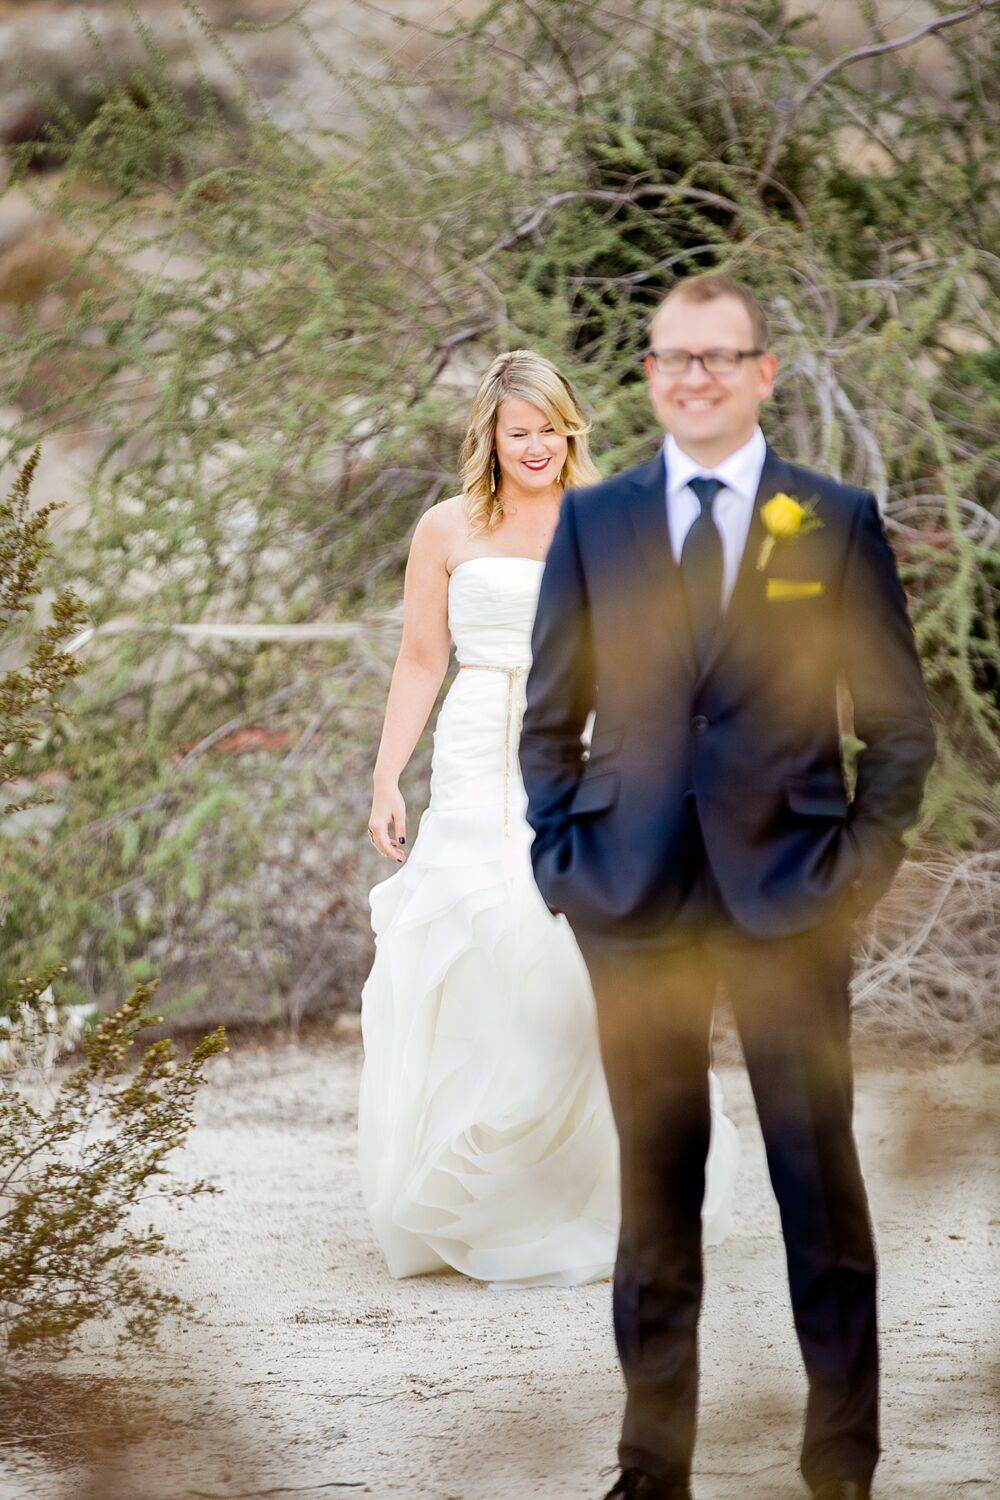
(486, 1137)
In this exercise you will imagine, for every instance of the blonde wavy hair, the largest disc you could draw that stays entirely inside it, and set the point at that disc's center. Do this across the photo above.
(531, 377)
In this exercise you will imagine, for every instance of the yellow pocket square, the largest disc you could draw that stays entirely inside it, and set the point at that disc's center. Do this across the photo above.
(788, 588)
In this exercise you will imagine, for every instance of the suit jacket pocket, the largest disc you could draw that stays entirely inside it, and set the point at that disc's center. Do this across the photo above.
(595, 794)
(816, 797)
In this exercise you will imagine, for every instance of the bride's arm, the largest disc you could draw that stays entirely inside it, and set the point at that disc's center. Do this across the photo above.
(417, 677)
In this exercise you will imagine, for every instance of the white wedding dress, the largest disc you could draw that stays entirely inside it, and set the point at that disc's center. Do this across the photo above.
(486, 1137)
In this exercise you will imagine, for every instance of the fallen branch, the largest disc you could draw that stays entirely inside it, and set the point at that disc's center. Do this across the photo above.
(284, 1489)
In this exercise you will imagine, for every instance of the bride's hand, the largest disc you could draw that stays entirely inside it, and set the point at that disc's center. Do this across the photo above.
(388, 808)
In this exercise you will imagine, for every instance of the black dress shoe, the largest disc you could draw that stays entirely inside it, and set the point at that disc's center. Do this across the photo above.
(843, 1489)
(634, 1484)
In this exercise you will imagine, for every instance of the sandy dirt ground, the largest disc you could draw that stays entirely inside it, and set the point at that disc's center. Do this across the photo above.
(313, 1374)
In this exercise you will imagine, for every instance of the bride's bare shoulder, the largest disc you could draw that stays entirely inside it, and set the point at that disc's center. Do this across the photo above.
(451, 513)
(444, 515)
(445, 523)
(439, 531)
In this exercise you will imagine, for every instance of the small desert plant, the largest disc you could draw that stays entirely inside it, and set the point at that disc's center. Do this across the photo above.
(34, 670)
(78, 1161)
(29, 693)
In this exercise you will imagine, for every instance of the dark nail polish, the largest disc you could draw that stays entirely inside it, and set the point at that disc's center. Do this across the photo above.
(402, 841)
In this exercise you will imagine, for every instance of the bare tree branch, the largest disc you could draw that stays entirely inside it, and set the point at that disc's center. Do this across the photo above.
(528, 226)
(859, 54)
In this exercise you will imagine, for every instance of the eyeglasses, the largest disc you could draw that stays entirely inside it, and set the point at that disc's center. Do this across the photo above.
(713, 361)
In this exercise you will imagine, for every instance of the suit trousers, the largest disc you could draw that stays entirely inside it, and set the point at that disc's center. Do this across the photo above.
(790, 1000)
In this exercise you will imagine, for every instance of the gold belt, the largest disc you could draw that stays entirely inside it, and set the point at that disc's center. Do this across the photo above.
(512, 726)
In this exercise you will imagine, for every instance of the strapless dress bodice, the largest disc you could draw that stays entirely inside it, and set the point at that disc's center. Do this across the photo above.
(491, 609)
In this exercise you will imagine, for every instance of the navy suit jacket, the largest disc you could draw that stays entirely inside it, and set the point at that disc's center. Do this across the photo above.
(749, 745)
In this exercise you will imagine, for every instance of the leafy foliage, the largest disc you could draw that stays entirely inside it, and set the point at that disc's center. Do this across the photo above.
(29, 693)
(75, 1170)
(77, 1164)
(285, 392)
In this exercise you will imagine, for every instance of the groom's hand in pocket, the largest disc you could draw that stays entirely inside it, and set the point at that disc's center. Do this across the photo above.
(387, 823)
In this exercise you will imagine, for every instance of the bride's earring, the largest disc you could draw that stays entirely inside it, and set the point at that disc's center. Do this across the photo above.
(493, 475)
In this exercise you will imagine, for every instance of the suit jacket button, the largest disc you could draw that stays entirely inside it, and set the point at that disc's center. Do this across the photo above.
(699, 723)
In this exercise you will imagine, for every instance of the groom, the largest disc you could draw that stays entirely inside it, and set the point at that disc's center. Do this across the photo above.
(712, 605)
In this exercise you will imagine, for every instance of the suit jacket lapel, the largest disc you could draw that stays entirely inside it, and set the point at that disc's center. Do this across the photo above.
(647, 516)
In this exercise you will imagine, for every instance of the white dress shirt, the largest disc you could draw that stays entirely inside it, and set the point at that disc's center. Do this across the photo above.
(732, 508)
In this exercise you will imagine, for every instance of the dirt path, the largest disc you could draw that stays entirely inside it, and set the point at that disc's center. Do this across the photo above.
(315, 1375)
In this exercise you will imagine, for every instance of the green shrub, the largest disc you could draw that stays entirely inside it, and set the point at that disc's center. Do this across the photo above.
(77, 1164)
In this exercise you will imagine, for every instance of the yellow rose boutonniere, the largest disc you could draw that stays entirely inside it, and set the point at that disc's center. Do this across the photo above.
(785, 518)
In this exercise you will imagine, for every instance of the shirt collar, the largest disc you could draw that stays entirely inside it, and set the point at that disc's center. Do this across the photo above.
(739, 472)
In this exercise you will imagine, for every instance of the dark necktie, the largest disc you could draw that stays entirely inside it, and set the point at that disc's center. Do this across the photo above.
(701, 568)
